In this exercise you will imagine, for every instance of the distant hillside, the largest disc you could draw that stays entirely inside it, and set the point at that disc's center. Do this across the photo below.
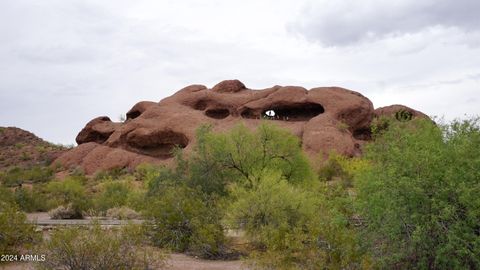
(20, 148)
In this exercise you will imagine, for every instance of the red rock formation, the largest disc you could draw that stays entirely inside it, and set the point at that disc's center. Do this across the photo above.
(325, 118)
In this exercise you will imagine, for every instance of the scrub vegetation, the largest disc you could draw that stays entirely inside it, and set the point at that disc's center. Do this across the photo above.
(411, 202)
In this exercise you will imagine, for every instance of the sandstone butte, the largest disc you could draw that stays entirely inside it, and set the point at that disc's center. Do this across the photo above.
(324, 118)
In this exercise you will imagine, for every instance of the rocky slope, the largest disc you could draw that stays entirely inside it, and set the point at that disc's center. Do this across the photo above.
(20, 148)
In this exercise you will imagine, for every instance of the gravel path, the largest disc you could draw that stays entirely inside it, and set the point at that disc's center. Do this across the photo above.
(42, 219)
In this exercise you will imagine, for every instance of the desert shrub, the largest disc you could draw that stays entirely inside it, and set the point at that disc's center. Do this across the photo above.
(77, 173)
(63, 212)
(6, 195)
(122, 213)
(113, 194)
(114, 173)
(403, 115)
(161, 177)
(292, 228)
(39, 174)
(15, 232)
(419, 197)
(331, 168)
(145, 172)
(69, 192)
(12, 177)
(341, 168)
(183, 220)
(30, 200)
(16, 176)
(380, 124)
(95, 248)
(137, 199)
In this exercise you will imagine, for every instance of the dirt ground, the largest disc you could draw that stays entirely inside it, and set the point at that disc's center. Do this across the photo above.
(180, 261)
(175, 262)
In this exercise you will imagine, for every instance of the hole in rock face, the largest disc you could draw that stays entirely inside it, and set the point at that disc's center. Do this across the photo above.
(403, 115)
(159, 144)
(133, 114)
(98, 137)
(217, 113)
(270, 113)
(293, 112)
(363, 134)
(249, 114)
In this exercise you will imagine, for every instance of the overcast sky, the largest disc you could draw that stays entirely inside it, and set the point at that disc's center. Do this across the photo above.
(63, 62)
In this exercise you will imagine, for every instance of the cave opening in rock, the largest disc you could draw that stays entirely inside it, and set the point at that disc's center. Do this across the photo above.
(96, 136)
(364, 134)
(217, 113)
(160, 145)
(161, 150)
(249, 114)
(293, 112)
(133, 114)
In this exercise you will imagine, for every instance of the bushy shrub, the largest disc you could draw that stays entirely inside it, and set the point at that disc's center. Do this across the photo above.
(292, 228)
(95, 248)
(182, 220)
(146, 172)
(15, 232)
(331, 168)
(113, 194)
(380, 124)
(341, 169)
(17, 176)
(114, 173)
(419, 197)
(63, 212)
(6, 195)
(122, 213)
(30, 200)
(69, 192)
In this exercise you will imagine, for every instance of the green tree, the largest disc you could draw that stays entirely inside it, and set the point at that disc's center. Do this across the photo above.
(419, 197)
(241, 155)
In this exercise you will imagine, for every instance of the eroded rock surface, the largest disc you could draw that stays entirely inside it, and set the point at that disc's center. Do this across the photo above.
(325, 118)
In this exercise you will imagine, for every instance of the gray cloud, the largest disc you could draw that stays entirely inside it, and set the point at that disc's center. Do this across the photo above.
(66, 62)
(343, 22)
